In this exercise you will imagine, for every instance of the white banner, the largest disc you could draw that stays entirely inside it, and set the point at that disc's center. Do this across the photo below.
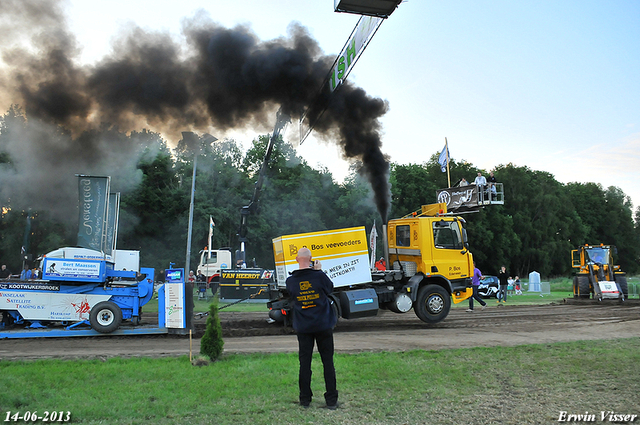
(50, 306)
(58, 268)
(174, 305)
(367, 26)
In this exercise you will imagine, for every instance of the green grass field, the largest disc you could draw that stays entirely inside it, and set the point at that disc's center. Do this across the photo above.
(528, 384)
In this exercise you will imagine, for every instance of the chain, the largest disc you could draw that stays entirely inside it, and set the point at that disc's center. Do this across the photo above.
(205, 314)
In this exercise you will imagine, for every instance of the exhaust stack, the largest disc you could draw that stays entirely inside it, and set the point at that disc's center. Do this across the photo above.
(385, 243)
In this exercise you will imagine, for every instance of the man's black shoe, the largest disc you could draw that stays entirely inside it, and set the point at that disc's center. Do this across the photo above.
(332, 407)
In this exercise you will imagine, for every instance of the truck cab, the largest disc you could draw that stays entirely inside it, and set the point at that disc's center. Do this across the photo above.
(431, 246)
(430, 251)
(213, 261)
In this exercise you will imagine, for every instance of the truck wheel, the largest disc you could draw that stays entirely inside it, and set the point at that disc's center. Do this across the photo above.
(621, 280)
(583, 286)
(105, 317)
(433, 304)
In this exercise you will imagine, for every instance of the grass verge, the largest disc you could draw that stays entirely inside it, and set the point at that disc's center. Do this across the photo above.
(524, 385)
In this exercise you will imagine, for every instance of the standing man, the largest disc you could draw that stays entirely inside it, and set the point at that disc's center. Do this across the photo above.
(313, 321)
(475, 282)
(503, 277)
(481, 182)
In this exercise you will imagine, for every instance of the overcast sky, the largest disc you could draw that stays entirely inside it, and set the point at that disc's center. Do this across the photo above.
(551, 85)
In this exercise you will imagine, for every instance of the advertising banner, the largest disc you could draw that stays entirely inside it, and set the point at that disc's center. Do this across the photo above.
(459, 198)
(344, 255)
(50, 305)
(93, 199)
(252, 277)
(174, 311)
(113, 215)
(366, 28)
(73, 270)
(174, 307)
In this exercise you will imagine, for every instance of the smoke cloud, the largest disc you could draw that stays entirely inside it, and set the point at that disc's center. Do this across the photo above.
(220, 79)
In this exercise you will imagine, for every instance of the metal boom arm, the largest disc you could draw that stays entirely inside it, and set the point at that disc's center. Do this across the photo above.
(282, 120)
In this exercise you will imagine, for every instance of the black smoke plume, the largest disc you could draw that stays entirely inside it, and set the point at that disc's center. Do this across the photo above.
(221, 78)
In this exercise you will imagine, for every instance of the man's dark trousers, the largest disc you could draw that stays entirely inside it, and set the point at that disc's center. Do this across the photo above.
(324, 340)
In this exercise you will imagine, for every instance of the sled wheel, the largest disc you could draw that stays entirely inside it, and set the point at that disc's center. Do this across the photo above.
(105, 317)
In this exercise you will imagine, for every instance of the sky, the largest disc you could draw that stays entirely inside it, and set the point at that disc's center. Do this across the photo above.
(554, 86)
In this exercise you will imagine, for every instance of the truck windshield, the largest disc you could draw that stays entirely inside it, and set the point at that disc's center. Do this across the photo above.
(598, 255)
(446, 235)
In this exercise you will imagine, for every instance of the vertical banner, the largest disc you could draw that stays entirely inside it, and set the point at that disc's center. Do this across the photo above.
(174, 312)
(358, 40)
(93, 199)
(113, 215)
(365, 29)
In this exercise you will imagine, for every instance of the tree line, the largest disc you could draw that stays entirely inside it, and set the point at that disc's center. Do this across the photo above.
(541, 220)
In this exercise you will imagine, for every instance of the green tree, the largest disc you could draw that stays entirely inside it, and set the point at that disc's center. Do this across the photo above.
(211, 343)
(543, 218)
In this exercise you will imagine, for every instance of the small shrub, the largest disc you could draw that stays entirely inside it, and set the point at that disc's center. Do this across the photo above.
(211, 343)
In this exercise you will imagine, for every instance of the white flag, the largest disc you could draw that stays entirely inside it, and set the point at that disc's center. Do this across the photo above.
(372, 243)
(211, 226)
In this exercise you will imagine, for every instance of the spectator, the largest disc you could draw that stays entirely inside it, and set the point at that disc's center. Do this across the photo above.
(313, 321)
(481, 182)
(200, 277)
(463, 182)
(26, 273)
(192, 278)
(492, 186)
(503, 277)
(518, 286)
(477, 275)
(510, 282)
(4, 272)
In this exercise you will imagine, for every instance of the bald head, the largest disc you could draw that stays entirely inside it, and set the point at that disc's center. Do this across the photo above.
(304, 258)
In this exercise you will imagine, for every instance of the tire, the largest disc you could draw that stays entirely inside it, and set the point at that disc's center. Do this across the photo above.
(621, 280)
(433, 304)
(336, 311)
(214, 283)
(584, 289)
(135, 320)
(105, 317)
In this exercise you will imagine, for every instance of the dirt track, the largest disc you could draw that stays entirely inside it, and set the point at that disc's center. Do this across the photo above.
(250, 333)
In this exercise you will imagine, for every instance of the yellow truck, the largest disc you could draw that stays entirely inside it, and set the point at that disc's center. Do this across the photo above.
(430, 267)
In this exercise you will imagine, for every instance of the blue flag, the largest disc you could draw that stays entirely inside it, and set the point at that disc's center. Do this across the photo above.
(444, 158)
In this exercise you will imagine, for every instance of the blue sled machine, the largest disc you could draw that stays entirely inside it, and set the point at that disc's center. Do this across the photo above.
(79, 286)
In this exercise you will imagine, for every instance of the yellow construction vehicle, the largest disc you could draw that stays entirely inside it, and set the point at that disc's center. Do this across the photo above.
(597, 277)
